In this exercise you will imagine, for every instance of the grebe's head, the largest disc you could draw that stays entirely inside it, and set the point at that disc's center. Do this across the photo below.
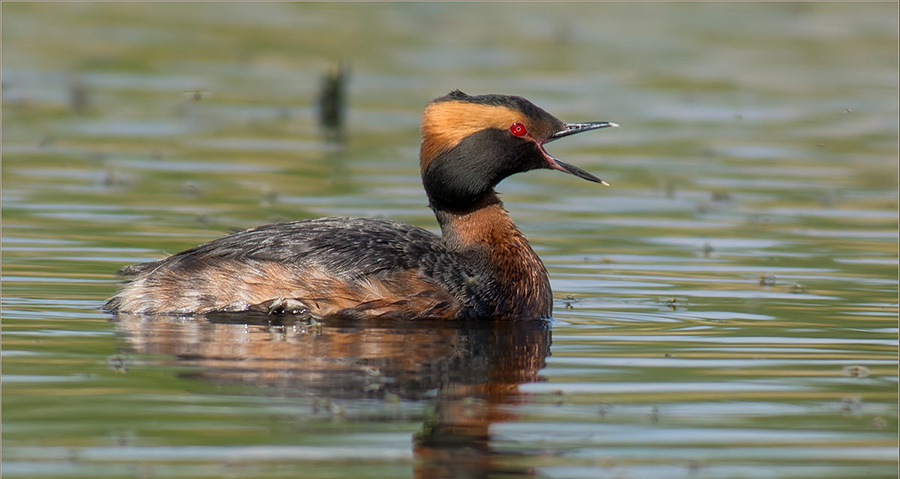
(471, 143)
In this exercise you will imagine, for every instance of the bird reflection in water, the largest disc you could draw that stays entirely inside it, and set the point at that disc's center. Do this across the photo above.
(469, 371)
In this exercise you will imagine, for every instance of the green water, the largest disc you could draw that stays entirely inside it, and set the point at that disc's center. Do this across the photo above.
(727, 309)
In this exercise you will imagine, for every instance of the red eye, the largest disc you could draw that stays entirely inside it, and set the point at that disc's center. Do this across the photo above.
(518, 129)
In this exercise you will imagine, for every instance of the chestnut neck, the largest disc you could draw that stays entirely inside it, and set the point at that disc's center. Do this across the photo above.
(484, 223)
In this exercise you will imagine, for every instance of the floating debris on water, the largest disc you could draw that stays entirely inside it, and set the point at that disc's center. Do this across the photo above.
(332, 102)
(856, 371)
(78, 94)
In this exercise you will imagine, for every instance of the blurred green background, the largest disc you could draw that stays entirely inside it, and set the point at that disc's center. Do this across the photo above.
(728, 308)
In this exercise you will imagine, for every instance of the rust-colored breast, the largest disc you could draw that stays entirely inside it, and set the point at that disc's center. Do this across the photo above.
(520, 278)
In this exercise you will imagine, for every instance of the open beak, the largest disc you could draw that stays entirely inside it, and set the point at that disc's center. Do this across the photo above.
(571, 129)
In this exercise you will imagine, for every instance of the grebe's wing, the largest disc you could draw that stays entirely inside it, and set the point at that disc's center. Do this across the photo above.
(328, 265)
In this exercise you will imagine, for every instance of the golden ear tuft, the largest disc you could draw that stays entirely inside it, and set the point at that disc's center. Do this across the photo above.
(446, 123)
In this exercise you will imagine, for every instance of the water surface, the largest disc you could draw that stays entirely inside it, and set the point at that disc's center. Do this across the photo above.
(727, 309)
